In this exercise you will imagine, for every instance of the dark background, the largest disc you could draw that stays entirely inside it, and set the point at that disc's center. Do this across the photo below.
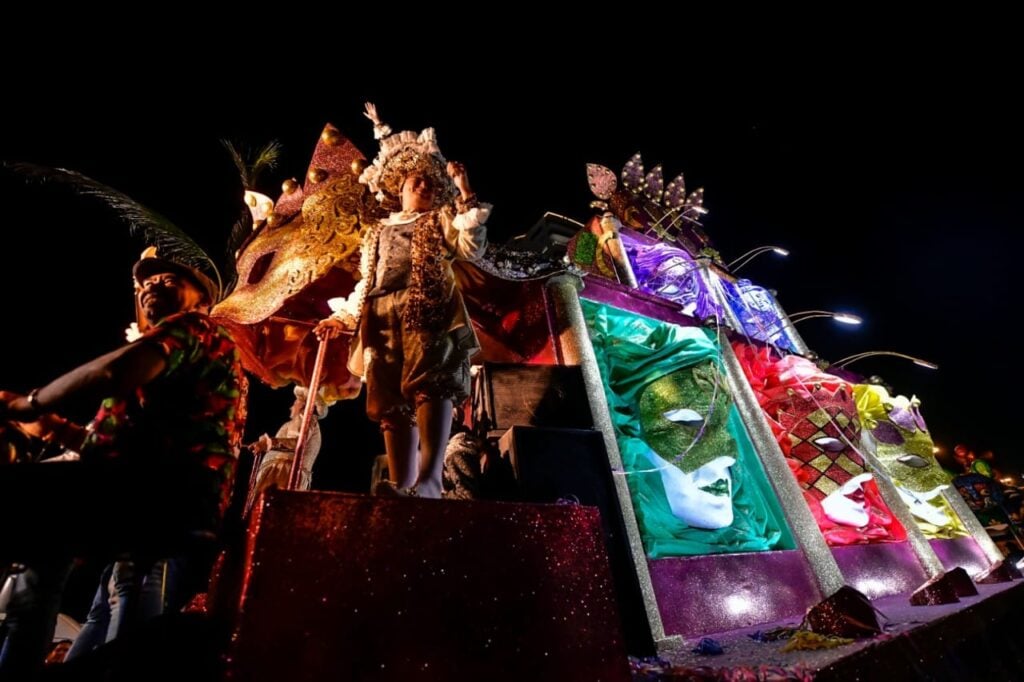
(896, 187)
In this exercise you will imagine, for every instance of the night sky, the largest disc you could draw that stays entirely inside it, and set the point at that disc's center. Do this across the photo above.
(898, 194)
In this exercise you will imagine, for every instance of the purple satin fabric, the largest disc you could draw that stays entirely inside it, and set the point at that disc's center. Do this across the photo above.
(671, 273)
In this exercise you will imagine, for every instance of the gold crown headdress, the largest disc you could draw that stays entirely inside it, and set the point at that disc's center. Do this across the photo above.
(401, 154)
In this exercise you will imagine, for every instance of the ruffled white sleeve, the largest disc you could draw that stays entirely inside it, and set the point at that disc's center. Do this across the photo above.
(467, 233)
(348, 305)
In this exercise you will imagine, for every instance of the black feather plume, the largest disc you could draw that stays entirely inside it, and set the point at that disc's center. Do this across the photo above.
(170, 241)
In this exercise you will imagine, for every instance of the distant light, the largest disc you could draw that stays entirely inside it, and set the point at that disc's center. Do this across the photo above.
(936, 449)
(781, 251)
(847, 318)
(925, 363)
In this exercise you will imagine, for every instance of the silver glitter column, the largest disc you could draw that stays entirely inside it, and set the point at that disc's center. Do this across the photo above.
(972, 524)
(575, 349)
(791, 497)
(918, 542)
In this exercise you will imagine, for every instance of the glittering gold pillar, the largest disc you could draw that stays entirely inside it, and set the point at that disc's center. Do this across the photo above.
(791, 497)
(570, 334)
(610, 225)
(918, 542)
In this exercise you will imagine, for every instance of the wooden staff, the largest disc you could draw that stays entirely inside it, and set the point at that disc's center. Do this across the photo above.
(307, 414)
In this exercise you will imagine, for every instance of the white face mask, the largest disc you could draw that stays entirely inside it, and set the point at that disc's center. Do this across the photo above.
(688, 495)
(920, 506)
(690, 446)
(847, 506)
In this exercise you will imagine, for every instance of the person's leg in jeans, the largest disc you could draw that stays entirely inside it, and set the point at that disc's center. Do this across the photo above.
(134, 602)
(143, 591)
(32, 618)
(94, 630)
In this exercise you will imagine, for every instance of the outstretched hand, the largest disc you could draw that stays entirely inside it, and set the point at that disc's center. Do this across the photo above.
(262, 445)
(14, 407)
(457, 172)
(371, 112)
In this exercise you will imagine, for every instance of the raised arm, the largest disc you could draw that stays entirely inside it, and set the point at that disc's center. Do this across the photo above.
(466, 232)
(116, 373)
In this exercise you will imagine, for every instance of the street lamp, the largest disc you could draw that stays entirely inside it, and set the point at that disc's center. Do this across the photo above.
(754, 253)
(860, 356)
(845, 318)
(787, 325)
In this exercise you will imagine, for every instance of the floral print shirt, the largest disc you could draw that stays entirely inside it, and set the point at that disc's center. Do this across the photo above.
(195, 409)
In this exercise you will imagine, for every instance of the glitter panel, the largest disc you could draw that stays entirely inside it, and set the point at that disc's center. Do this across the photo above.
(973, 525)
(736, 590)
(880, 569)
(619, 296)
(961, 552)
(355, 587)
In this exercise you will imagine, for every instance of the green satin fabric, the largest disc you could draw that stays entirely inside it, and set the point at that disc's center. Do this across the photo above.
(632, 352)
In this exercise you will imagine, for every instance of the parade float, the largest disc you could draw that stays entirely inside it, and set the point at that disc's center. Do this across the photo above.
(709, 477)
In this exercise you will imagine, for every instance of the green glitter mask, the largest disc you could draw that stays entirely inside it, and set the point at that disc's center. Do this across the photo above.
(684, 416)
(902, 445)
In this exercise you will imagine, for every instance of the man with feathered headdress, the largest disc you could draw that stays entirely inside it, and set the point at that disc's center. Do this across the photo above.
(414, 337)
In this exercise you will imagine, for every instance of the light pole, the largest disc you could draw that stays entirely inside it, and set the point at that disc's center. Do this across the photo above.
(754, 253)
(860, 356)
